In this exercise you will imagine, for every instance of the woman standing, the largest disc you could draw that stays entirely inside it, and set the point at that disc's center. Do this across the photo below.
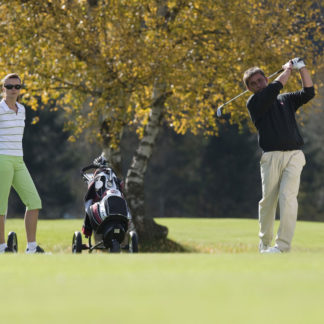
(13, 171)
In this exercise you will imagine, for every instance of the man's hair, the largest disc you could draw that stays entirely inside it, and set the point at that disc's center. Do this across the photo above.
(10, 76)
(250, 72)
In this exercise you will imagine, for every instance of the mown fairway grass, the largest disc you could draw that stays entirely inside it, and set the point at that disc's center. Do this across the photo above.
(223, 280)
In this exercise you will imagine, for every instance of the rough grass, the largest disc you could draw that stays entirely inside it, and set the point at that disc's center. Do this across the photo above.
(223, 280)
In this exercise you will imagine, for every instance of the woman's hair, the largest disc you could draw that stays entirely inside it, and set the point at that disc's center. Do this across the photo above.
(250, 72)
(10, 76)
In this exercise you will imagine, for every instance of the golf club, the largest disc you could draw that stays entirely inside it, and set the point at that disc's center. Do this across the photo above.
(219, 109)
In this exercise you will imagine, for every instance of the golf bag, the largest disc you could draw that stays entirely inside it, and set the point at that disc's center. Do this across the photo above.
(106, 210)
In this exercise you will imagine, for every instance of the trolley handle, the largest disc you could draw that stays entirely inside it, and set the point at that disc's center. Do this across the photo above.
(94, 166)
(91, 166)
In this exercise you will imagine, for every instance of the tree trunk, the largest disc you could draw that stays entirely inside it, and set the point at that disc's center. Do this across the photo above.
(145, 226)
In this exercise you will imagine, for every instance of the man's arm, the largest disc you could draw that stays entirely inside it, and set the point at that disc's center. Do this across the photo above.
(299, 64)
(284, 76)
(306, 78)
(301, 97)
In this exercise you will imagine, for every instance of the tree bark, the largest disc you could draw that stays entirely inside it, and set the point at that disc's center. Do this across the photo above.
(146, 227)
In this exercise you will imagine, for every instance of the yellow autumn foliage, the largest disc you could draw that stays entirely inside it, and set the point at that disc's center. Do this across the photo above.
(109, 55)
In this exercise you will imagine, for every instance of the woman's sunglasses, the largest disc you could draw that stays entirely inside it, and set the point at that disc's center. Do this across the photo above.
(11, 86)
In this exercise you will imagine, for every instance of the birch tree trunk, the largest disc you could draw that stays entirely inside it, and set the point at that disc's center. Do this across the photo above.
(145, 225)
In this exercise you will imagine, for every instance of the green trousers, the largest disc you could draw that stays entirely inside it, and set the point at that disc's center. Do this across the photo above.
(14, 173)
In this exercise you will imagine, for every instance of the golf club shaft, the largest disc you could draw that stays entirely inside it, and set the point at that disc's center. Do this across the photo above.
(219, 113)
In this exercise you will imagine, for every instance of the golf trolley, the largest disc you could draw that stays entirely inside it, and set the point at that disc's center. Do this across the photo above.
(107, 213)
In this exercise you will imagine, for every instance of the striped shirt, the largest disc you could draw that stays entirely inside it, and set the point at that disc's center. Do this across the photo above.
(11, 129)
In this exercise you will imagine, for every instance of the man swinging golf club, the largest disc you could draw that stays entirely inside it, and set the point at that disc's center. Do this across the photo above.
(282, 161)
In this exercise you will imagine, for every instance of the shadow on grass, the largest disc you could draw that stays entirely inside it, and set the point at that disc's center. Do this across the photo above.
(163, 246)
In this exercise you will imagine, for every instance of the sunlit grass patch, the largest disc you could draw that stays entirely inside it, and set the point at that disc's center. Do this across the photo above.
(213, 275)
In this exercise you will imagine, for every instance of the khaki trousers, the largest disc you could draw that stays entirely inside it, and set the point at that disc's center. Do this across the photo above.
(280, 173)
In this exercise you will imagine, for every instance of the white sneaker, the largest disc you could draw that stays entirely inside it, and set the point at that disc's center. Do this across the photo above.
(273, 249)
(38, 249)
(262, 247)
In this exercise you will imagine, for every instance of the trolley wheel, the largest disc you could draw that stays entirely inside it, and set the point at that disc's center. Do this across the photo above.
(133, 242)
(77, 243)
(115, 246)
(12, 242)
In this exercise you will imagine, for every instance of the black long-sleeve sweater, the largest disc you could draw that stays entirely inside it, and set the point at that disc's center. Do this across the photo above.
(273, 115)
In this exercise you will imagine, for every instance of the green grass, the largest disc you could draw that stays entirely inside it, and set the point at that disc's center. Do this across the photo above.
(236, 236)
(224, 281)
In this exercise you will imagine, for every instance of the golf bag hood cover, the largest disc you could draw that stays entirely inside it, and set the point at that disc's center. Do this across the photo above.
(104, 179)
